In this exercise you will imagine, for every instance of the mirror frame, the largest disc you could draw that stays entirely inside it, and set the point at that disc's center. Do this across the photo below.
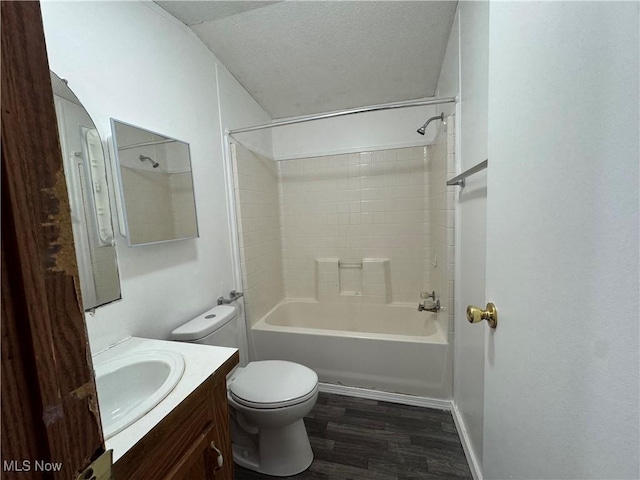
(122, 207)
(70, 178)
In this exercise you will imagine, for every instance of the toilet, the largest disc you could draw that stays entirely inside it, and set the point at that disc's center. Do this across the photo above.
(268, 400)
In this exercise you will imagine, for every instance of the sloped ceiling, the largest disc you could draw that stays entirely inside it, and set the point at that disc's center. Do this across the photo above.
(300, 57)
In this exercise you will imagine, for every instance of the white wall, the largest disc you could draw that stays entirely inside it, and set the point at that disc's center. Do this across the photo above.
(562, 371)
(134, 62)
(465, 73)
(238, 109)
(355, 133)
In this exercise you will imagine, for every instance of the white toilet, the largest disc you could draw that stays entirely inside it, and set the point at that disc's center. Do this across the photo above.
(268, 400)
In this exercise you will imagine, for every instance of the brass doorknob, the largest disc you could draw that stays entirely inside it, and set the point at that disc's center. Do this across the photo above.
(475, 314)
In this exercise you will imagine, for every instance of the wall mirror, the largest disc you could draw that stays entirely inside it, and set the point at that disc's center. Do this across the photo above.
(156, 185)
(85, 171)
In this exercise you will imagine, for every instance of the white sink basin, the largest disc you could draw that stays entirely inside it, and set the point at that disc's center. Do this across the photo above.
(130, 386)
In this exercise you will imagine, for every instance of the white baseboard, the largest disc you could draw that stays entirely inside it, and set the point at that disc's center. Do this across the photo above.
(386, 396)
(472, 460)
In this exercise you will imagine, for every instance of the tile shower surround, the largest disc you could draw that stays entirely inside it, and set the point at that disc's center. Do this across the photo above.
(144, 188)
(355, 206)
(170, 194)
(440, 211)
(386, 204)
(258, 213)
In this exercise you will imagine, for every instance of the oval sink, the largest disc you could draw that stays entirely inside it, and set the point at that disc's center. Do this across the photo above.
(130, 386)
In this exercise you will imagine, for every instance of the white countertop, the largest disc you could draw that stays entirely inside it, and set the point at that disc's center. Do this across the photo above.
(200, 362)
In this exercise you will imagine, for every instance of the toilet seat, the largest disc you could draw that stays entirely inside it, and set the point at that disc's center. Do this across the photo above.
(269, 406)
(272, 384)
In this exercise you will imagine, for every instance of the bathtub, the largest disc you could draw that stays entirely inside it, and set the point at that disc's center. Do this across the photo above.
(392, 348)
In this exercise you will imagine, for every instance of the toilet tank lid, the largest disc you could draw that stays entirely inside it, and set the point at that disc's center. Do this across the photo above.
(204, 324)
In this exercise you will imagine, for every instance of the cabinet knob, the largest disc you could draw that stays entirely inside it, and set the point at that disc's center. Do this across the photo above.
(220, 458)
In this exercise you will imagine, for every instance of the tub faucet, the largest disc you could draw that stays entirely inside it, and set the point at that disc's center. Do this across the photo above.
(435, 308)
(233, 296)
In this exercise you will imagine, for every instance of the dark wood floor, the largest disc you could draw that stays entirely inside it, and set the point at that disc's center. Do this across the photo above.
(359, 439)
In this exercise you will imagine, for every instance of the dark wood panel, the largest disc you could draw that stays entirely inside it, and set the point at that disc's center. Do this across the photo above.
(222, 434)
(194, 463)
(200, 462)
(40, 259)
(24, 442)
(166, 444)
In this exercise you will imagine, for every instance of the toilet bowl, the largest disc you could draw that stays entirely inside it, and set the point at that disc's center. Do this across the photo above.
(268, 400)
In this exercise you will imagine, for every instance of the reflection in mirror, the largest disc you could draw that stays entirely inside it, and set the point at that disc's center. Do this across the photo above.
(86, 174)
(156, 185)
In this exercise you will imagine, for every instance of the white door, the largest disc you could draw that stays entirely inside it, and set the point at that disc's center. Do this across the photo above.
(562, 367)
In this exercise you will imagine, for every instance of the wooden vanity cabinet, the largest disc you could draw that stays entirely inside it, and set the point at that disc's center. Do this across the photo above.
(180, 446)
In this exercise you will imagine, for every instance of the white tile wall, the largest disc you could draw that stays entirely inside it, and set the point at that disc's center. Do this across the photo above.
(147, 188)
(160, 206)
(376, 280)
(256, 187)
(388, 209)
(368, 281)
(441, 166)
(183, 205)
(355, 206)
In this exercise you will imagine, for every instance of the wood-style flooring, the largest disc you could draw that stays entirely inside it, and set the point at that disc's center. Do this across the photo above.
(360, 439)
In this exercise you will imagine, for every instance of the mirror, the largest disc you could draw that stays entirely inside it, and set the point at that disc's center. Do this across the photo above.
(156, 185)
(85, 170)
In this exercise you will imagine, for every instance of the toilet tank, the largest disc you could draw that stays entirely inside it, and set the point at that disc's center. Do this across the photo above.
(217, 326)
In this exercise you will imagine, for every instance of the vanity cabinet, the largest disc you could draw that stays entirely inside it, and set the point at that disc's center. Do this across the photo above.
(185, 444)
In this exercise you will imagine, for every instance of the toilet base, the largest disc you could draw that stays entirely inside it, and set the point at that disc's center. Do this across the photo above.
(281, 452)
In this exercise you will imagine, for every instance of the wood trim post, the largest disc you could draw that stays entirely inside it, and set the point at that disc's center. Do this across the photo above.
(49, 403)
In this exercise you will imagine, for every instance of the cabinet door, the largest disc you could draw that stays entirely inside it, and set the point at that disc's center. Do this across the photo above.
(200, 462)
(210, 455)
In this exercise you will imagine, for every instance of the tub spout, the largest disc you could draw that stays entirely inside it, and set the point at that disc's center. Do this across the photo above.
(435, 308)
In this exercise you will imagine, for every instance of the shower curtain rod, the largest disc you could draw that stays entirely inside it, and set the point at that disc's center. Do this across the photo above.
(340, 113)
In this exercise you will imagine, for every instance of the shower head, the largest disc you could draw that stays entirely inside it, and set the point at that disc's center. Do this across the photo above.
(422, 129)
(153, 164)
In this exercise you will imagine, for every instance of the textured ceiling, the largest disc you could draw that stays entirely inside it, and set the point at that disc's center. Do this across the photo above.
(191, 13)
(299, 57)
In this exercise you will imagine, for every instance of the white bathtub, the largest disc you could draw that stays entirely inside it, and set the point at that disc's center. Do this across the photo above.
(382, 347)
